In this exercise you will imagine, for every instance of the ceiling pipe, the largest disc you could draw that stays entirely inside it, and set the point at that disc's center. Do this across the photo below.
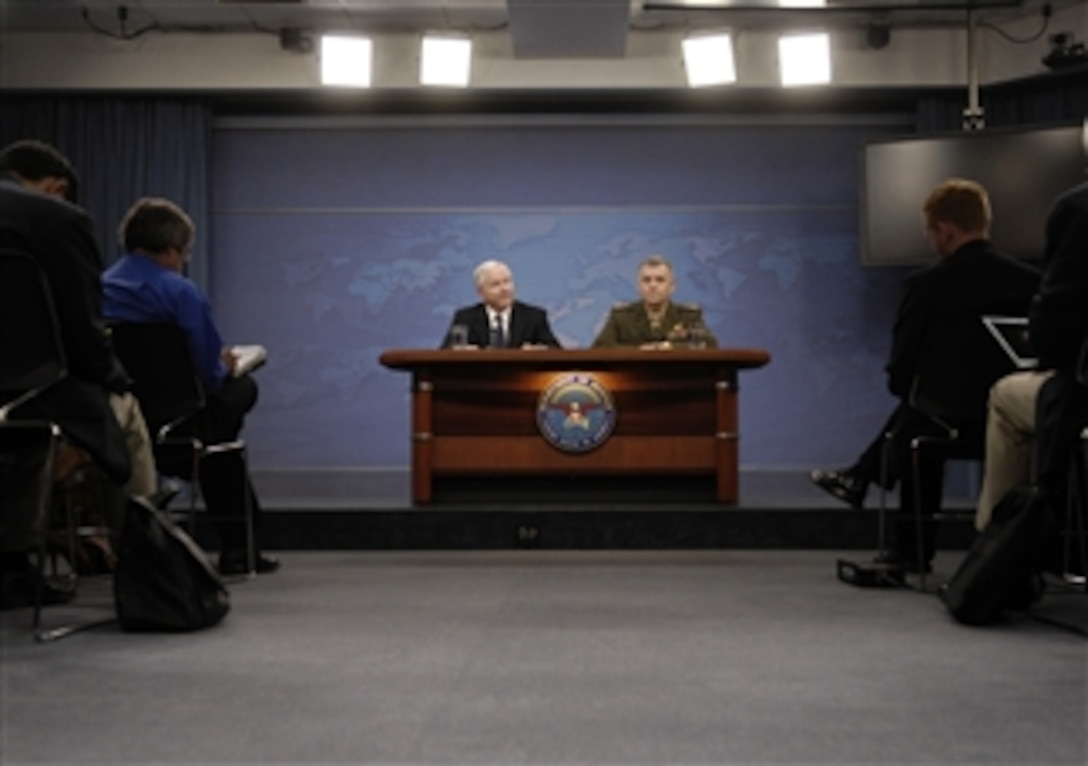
(843, 6)
(974, 117)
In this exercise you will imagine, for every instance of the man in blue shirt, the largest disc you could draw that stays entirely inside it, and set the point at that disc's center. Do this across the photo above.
(148, 284)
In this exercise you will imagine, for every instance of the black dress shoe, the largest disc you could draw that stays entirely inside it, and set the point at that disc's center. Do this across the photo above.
(18, 589)
(233, 562)
(846, 485)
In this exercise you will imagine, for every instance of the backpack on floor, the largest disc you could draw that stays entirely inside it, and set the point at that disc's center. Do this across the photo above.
(163, 581)
(1003, 568)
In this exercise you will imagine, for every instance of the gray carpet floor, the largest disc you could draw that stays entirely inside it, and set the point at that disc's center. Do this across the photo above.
(534, 657)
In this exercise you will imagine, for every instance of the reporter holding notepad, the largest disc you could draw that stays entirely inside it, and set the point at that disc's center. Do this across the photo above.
(148, 284)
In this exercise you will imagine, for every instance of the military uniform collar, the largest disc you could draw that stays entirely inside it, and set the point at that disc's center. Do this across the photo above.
(656, 317)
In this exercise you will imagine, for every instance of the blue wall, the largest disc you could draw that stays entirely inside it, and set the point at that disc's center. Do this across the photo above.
(330, 244)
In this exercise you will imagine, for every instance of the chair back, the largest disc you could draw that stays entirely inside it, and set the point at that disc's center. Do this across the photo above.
(960, 363)
(26, 476)
(157, 357)
(31, 353)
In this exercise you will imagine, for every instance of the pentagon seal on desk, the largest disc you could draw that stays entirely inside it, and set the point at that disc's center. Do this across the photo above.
(575, 412)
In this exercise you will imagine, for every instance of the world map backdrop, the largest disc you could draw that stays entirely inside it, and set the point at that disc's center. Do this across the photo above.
(331, 244)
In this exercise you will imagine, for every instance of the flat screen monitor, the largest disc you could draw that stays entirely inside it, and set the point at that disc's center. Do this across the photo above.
(1023, 171)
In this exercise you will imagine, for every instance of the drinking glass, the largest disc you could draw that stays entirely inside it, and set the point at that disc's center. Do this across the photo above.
(697, 337)
(459, 336)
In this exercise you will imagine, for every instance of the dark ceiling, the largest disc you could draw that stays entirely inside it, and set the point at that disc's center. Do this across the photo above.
(538, 28)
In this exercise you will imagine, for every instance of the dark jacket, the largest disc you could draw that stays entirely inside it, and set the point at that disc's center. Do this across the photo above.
(60, 237)
(974, 280)
(528, 324)
(1059, 313)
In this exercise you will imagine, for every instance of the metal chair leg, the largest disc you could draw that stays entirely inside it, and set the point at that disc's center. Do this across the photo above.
(73, 531)
(919, 543)
(1082, 489)
(1075, 533)
(42, 531)
(247, 509)
(882, 514)
(194, 489)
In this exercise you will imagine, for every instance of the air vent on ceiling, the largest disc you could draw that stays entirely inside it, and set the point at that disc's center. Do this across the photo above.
(566, 29)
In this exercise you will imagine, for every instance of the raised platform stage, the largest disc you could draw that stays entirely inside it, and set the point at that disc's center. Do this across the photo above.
(617, 529)
(778, 510)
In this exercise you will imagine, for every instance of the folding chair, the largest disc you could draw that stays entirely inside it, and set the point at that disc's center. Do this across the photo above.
(32, 360)
(959, 365)
(158, 358)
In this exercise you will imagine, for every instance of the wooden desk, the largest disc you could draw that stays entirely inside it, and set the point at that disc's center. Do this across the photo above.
(474, 417)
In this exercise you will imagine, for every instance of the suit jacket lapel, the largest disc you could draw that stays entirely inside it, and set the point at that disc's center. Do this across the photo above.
(482, 326)
(514, 331)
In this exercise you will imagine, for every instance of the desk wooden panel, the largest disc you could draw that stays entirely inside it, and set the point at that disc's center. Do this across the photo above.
(474, 413)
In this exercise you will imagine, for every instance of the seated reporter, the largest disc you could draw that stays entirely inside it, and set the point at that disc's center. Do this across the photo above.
(92, 405)
(100, 420)
(969, 278)
(148, 284)
(1034, 417)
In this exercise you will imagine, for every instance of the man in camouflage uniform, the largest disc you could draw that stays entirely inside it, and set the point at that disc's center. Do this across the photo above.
(655, 321)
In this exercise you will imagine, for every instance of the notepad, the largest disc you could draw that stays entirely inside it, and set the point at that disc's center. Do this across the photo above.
(248, 358)
(1011, 333)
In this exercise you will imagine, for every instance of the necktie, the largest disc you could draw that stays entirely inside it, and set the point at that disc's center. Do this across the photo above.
(498, 337)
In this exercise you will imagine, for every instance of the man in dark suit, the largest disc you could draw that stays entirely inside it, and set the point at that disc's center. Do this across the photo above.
(1038, 414)
(499, 320)
(970, 278)
(99, 419)
(59, 236)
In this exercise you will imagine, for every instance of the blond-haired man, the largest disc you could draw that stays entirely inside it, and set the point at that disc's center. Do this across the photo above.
(969, 278)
